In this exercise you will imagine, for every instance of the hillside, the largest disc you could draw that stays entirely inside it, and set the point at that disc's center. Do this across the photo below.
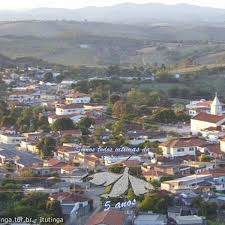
(92, 43)
(122, 13)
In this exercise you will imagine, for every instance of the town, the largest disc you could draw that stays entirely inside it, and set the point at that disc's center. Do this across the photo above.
(90, 151)
(112, 112)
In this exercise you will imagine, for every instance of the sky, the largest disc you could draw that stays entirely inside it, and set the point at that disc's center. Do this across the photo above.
(73, 4)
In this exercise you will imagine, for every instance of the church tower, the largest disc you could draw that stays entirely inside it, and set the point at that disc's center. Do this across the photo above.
(216, 106)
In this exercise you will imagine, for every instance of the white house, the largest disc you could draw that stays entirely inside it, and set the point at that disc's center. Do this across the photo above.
(78, 98)
(63, 110)
(195, 107)
(222, 145)
(181, 147)
(204, 120)
(24, 96)
(214, 107)
(11, 139)
(184, 183)
(76, 117)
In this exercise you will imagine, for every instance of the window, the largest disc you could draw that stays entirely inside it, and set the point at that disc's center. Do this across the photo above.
(180, 150)
(192, 149)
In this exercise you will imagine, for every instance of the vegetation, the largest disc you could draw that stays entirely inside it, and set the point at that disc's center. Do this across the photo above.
(157, 202)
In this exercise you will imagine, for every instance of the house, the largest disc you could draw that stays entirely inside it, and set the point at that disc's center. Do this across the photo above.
(156, 172)
(150, 219)
(74, 117)
(214, 151)
(24, 96)
(64, 110)
(190, 220)
(89, 160)
(181, 146)
(204, 120)
(11, 138)
(218, 178)
(214, 107)
(78, 98)
(54, 163)
(73, 205)
(21, 159)
(176, 211)
(222, 145)
(44, 171)
(30, 146)
(66, 153)
(184, 183)
(111, 217)
(196, 107)
(67, 169)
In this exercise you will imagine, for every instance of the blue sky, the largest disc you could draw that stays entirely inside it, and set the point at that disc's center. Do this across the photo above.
(72, 4)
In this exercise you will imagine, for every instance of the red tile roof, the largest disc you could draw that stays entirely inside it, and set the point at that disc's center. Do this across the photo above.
(208, 118)
(55, 163)
(184, 142)
(131, 163)
(214, 149)
(68, 168)
(112, 217)
(67, 197)
(216, 173)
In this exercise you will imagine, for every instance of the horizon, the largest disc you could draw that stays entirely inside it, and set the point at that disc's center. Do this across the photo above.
(70, 4)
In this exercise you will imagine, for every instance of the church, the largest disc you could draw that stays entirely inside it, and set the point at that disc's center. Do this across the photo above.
(215, 120)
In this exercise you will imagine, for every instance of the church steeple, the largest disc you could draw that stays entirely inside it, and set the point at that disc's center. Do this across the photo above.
(216, 106)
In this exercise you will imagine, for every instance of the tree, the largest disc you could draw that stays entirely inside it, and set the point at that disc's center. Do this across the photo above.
(48, 77)
(54, 208)
(118, 128)
(120, 109)
(157, 202)
(47, 147)
(86, 122)
(137, 97)
(118, 168)
(164, 116)
(205, 158)
(131, 195)
(63, 124)
(114, 98)
(66, 139)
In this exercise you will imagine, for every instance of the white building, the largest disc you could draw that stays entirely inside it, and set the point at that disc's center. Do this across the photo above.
(216, 107)
(24, 96)
(63, 110)
(222, 145)
(74, 117)
(184, 183)
(78, 98)
(190, 220)
(11, 139)
(204, 120)
(150, 219)
(181, 147)
(195, 107)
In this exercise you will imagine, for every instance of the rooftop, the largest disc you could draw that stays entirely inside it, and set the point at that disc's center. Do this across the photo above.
(112, 217)
(208, 118)
(184, 142)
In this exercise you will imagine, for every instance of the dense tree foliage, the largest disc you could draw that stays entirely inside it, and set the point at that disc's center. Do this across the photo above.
(46, 147)
(157, 202)
(63, 124)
